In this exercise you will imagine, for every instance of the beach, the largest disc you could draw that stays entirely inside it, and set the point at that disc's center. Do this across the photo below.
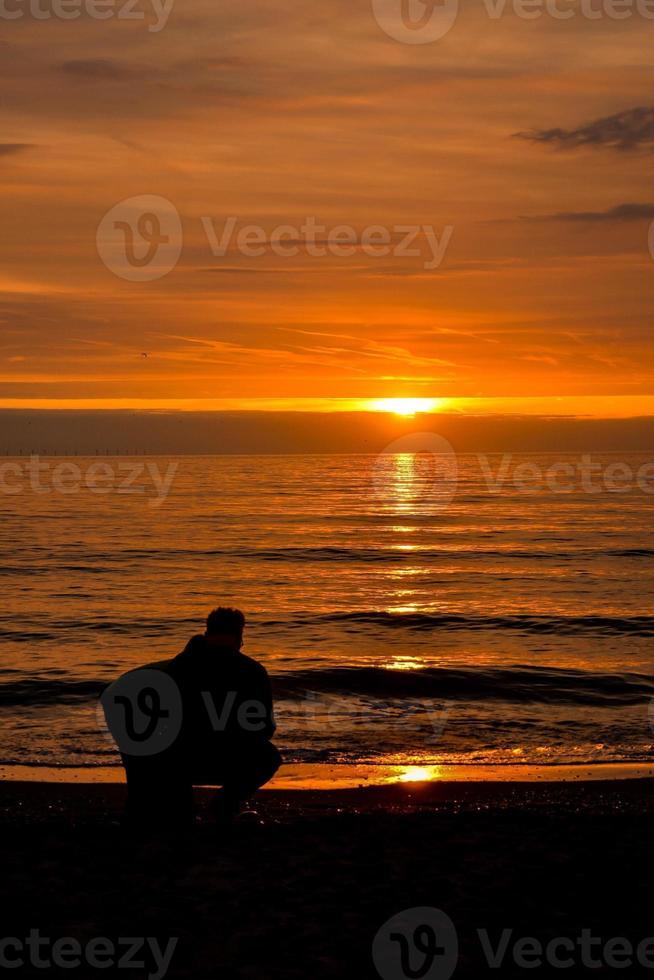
(302, 889)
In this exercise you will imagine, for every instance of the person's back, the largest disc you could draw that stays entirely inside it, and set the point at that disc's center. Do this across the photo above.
(220, 734)
(227, 703)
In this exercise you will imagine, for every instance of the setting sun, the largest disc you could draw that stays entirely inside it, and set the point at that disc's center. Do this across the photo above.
(407, 406)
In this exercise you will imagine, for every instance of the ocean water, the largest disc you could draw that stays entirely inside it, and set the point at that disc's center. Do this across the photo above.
(408, 613)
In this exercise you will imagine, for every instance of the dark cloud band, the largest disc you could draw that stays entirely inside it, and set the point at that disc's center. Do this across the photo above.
(626, 130)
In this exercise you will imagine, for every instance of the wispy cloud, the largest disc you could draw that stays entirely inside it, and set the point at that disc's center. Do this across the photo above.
(100, 68)
(621, 212)
(627, 130)
(9, 149)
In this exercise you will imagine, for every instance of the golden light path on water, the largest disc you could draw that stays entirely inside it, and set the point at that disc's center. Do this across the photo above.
(404, 485)
(416, 774)
(404, 662)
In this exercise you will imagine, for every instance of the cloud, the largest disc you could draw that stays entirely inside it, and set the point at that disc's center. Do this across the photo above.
(627, 130)
(101, 68)
(8, 149)
(621, 212)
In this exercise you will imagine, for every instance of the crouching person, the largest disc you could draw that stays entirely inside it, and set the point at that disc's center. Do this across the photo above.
(203, 718)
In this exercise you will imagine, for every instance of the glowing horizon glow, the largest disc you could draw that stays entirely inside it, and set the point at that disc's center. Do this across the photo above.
(582, 406)
(408, 407)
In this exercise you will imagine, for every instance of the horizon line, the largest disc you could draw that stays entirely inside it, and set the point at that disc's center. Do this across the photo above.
(588, 407)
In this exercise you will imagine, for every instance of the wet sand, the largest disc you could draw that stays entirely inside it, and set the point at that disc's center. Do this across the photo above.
(302, 890)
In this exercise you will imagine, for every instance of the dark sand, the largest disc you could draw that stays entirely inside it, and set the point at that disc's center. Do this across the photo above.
(303, 894)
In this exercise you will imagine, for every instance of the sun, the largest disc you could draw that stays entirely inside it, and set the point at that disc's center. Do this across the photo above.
(407, 407)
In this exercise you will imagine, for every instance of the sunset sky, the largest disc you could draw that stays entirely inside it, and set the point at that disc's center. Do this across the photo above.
(274, 111)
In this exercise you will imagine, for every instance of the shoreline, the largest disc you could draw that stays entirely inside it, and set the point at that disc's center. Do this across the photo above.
(326, 777)
(75, 805)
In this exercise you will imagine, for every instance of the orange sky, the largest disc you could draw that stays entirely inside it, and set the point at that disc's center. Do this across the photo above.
(272, 112)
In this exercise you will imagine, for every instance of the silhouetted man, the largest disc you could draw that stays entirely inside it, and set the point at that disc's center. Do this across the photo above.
(203, 718)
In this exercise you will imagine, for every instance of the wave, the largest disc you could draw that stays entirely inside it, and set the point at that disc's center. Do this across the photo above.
(631, 552)
(521, 684)
(385, 555)
(524, 684)
(589, 625)
(96, 563)
(365, 620)
(41, 691)
(391, 555)
(126, 627)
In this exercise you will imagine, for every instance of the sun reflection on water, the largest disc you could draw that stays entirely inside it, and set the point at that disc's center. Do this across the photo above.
(417, 774)
(404, 662)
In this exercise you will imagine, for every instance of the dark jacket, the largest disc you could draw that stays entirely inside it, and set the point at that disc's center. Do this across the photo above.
(223, 692)
(226, 700)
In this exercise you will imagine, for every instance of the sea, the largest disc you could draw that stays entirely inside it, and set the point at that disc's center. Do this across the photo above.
(412, 609)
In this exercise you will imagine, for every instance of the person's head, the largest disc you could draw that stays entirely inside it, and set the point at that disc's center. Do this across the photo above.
(225, 627)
